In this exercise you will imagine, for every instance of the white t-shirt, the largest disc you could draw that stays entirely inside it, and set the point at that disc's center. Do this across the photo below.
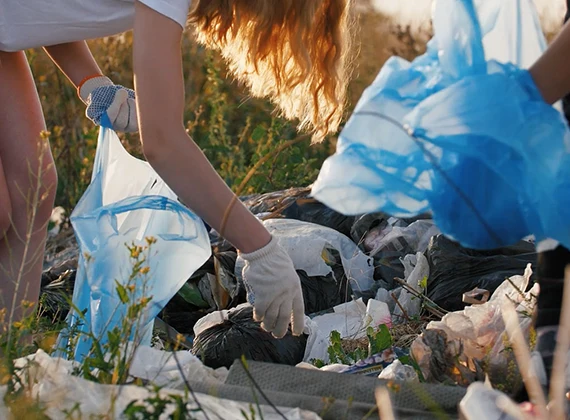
(39, 23)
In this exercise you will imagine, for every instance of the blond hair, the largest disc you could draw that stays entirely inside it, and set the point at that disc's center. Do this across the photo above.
(295, 52)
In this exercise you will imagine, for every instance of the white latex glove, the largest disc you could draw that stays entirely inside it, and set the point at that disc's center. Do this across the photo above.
(102, 96)
(274, 289)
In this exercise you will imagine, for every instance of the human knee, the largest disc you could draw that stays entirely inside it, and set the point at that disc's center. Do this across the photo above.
(5, 204)
(47, 189)
(40, 186)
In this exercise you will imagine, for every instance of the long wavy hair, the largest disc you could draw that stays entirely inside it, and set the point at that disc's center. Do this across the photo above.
(297, 53)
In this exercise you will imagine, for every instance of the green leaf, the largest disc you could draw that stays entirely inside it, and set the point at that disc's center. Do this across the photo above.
(423, 283)
(335, 350)
(123, 295)
(379, 340)
(318, 363)
(191, 294)
(258, 133)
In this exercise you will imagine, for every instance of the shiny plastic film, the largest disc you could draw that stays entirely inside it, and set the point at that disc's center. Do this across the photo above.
(137, 242)
(460, 132)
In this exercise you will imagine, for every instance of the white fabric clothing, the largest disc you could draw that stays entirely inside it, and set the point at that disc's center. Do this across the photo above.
(38, 23)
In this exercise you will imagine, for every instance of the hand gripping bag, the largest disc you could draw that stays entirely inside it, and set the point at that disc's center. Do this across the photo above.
(128, 204)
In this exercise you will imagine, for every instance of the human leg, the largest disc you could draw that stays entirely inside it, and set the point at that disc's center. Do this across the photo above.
(30, 179)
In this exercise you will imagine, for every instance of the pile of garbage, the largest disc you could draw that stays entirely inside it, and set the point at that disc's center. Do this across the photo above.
(363, 277)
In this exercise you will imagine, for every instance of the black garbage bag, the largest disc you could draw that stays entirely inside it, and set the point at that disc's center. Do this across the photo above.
(181, 315)
(56, 289)
(313, 211)
(454, 270)
(239, 335)
(324, 292)
(296, 203)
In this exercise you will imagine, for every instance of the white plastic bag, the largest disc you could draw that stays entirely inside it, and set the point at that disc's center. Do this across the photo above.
(128, 203)
(306, 244)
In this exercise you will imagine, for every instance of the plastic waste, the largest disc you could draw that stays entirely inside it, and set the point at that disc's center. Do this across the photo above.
(454, 270)
(387, 239)
(334, 367)
(313, 249)
(52, 384)
(222, 338)
(127, 204)
(372, 365)
(312, 211)
(384, 295)
(350, 319)
(483, 402)
(416, 277)
(324, 292)
(465, 345)
(169, 369)
(216, 283)
(399, 372)
(295, 203)
(56, 289)
(460, 132)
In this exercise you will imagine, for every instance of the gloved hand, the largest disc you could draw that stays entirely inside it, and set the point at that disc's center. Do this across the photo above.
(101, 96)
(274, 289)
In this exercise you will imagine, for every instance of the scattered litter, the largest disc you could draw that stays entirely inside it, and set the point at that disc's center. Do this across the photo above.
(417, 273)
(350, 319)
(484, 402)
(466, 344)
(387, 239)
(324, 292)
(399, 372)
(51, 384)
(56, 220)
(312, 248)
(377, 362)
(454, 270)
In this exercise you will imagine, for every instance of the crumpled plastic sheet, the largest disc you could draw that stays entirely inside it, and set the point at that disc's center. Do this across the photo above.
(307, 243)
(350, 319)
(474, 334)
(398, 372)
(461, 132)
(417, 273)
(52, 384)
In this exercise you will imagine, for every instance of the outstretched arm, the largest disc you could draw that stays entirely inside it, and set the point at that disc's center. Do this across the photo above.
(75, 60)
(168, 148)
(551, 72)
(269, 274)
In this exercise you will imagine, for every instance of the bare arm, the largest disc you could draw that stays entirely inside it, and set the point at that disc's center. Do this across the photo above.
(74, 59)
(167, 147)
(551, 72)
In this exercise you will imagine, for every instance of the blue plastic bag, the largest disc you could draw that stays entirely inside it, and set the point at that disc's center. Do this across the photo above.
(461, 132)
(127, 203)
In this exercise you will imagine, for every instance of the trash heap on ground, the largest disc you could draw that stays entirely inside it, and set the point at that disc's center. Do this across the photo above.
(384, 297)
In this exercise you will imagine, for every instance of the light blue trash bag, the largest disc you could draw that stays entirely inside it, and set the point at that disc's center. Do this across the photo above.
(461, 132)
(126, 203)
